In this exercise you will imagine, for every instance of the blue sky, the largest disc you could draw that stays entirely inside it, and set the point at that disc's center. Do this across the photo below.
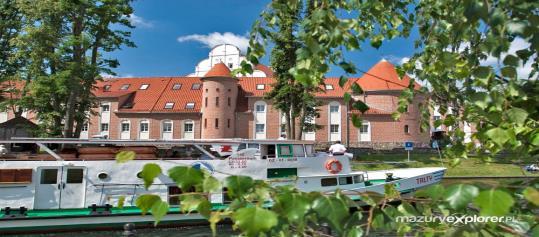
(172, 36)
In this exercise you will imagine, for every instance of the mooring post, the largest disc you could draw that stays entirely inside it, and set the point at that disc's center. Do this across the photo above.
(129, 230)
(325, 228)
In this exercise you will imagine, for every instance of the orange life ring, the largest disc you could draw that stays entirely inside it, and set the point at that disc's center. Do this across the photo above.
(333, 166)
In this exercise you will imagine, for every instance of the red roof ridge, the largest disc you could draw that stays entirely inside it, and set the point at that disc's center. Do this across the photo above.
(218, 70)
(161, 94)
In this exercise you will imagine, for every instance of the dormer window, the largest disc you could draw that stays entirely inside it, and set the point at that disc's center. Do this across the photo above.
(329, 87)
(190, 105)
(260, 86)
(195, 86)
(144, 86)
(169, 105)
(125, 87)
(177, 86)
(106, 88)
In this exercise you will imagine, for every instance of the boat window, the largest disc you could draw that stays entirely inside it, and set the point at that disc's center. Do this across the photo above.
(328, 182)
(282, 172)
(358, 179)
(173, 195)
(74, 176)
(253, 145)
(49, 176)
(267, 151)
(345, 180)
(298, 151)
(15, 175)
(226, 198)
(309, 149)
(285, 150)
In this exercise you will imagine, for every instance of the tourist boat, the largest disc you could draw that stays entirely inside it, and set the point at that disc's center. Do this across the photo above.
(77, 188)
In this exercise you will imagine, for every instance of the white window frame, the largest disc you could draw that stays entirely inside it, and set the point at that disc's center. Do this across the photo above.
(260, 117)
(144, 86)
(260, 86)
(147, 121)
(190, 105)
(338, 122)
(163, 122)
(122, 125)
(177, 86)
(169, 105)
(263, 128)
(329, 87)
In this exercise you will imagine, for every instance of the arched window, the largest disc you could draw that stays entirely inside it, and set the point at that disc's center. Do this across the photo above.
(260, 111)
(166, 129)
(125, 129)
(144, 129)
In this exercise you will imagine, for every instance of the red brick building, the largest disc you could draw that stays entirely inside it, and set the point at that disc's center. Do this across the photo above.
(211, 103)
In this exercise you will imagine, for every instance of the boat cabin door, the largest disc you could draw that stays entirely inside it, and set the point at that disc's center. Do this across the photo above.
(60, 187)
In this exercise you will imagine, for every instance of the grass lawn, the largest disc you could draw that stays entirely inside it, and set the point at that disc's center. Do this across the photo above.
(468, 167)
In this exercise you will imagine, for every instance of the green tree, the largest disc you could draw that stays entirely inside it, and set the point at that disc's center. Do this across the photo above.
(64, 43)
(295, 100)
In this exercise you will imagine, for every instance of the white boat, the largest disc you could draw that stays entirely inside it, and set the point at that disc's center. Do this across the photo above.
(81, 189)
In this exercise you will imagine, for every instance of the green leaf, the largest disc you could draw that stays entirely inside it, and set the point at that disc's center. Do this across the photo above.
(360, 105)
(494, 202)
(511, 60)
(254, 220)
(159, 209)
(121, 202)
(186, 177)
(204, 208)
(517, 115)
(535, 139)
(459, 195)
(146, 201)
(480, 99)
(342, 81)
(356, 88)
(498, 135)
(407, 209)
(211, 184)
(238, 185)
(347, 98)
(149, 172)
(509, 71)
(333, 210)
(376, 41)
(532, 195)
(125, 156)
(293, 205)
(357, 121)
(434, 192)
(355, 231)
(190, 202)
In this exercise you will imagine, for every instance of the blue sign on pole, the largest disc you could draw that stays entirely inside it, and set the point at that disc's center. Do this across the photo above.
(409, 146)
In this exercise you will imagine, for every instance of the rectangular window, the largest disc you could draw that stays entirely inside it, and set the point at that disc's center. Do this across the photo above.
(358, 179)
(15, 175)
(334, 109)
(195, 86)
(436, 118)
(334, 128)
(174, 195)
(260, 108)
(169, 105)
(125, 87)
(105, 108)
(74, 176)
(260, 86)
(228, 123)
(125, 127)
(167, 127)
(216, 123)
(206, 102)
(144, 127)
(176, 86)
(104, 127)
(406, 129)
(364, 129)
(282, 172)
(345, 180)
(205, 123)
(329, 87)
(49, 176)
(190, 105)
(216, 101)
(230, 65)
(188, 127)
(285, 150)
(144, 86)
(328, 182)
(260, 127)
(229, 101)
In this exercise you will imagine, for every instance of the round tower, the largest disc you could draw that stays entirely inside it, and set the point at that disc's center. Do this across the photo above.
(220, 91)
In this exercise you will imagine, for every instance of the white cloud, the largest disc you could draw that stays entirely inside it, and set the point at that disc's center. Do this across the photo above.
(139, 21)
(108, 76)
(213, 39)
(404, 60)
(395, 59)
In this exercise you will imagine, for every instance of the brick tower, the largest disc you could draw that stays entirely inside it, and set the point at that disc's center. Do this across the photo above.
(220, 91)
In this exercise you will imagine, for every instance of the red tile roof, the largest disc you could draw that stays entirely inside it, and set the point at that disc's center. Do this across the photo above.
(180, 97)
(383, 76)
(265, 69)
(218, 70)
